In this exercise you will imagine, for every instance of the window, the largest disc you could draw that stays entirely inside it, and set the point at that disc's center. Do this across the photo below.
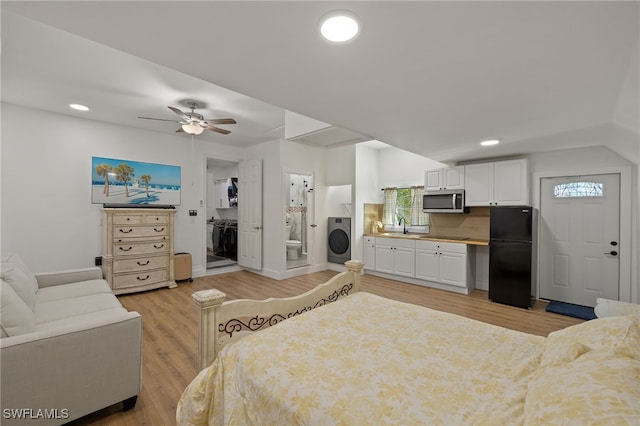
(404, 203)
(578, 190)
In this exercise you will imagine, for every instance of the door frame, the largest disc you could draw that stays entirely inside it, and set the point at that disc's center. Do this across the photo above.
(311, 242)
(626, 292)
(204, 200)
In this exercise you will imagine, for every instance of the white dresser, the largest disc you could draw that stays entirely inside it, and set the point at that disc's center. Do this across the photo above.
(137, 249)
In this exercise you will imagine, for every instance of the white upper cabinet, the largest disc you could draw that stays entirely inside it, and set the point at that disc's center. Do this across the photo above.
(501, 183)
(445, 178)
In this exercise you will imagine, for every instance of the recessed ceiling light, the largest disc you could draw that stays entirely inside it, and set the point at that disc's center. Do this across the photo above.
(79, 107)
(490, 142)
(339, 26)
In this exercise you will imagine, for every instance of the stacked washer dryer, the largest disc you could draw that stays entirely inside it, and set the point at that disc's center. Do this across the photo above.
(339, 246)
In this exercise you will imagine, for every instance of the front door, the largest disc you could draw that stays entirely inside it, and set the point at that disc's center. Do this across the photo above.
(579, 238)
(250, 214)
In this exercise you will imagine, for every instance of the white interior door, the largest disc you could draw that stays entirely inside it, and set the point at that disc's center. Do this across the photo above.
(579, 238)
(250, 214)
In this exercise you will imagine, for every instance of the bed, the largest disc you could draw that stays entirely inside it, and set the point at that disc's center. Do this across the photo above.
(369, 360)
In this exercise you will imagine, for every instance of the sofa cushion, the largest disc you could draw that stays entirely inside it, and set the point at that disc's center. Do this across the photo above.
(67, 308)
(71, 323)
(21, 282)
(15, 316)
(67, 291)
(17, 262)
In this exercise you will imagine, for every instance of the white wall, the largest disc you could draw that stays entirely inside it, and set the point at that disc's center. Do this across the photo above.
(400, 168)
(46, 213)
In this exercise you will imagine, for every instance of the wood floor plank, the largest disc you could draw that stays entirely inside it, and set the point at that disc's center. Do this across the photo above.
(170, 321)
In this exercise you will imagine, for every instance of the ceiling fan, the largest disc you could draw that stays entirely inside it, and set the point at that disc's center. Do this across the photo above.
(194, 123)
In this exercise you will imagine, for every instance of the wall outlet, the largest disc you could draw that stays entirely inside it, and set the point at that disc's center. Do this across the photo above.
(193, 212)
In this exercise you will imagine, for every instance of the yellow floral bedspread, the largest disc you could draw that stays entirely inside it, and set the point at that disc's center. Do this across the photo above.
(367, 360)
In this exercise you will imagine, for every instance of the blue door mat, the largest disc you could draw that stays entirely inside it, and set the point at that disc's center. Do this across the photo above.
(571, 310)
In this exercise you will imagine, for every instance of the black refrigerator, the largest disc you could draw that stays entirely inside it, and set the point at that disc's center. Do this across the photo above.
(511, 255)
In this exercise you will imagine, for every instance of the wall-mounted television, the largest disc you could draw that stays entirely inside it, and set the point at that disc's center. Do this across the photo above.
(126, 183)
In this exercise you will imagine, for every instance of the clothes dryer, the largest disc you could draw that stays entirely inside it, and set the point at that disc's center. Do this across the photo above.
(339, 244)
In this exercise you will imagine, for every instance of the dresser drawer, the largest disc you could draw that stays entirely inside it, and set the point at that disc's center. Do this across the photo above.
(124, 231)
(156, 219)
(139, 279)
(131, 249)
(140, 264)
(132, 219)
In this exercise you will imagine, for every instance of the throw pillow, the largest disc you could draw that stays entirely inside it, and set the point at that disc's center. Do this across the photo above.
(15, 316)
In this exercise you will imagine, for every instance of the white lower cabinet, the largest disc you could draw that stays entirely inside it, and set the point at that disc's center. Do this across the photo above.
(395, 256)
(369, 252)
(442, 262)
(431, 263)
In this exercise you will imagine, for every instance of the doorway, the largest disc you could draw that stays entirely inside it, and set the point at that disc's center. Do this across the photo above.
(299, 219)
(580, 238)
(222, 214)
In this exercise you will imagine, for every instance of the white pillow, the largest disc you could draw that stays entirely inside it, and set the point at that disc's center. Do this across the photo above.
(608, 308)
(20, 282)
(15, 316)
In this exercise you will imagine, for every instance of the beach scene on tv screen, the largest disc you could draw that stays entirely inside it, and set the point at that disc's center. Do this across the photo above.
(135, 183)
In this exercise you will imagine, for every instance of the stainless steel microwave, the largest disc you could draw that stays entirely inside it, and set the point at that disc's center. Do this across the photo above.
(445, 201)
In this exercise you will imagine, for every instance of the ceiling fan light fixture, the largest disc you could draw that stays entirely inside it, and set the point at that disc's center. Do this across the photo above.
(339, 26)
(192, 129)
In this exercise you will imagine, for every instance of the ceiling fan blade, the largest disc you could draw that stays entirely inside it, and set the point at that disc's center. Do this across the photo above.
(221, 121)
(217, 129)
(180, 113)
(179, 130)
(159, 119)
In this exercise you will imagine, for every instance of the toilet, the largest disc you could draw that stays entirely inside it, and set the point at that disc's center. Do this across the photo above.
(293, 246)
(293, 249)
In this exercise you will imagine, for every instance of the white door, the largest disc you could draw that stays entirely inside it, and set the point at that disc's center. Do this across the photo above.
(384, 258)
(427, 266)
(452, 268)
(404, 261)
(250, 214)
(579, 238)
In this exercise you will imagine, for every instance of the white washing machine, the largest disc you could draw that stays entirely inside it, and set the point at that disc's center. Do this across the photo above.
(339, 246)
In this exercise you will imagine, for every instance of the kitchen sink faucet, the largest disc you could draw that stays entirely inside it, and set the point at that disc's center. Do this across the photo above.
(401, 222)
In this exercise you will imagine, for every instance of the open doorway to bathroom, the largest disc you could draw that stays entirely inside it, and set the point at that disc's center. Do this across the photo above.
(299, 219)
(222, 214)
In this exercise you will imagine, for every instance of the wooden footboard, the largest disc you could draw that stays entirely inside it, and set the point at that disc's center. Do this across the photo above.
(223, 322)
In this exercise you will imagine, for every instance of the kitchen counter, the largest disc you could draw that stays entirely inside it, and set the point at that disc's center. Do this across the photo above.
(428, 237)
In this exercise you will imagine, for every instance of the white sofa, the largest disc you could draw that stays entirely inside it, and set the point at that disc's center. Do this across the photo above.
(68, 347)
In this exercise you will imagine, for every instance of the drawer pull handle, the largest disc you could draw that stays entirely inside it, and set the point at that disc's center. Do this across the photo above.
(158, 230)
(126, 232)
(158, 247)
(125, 249)
(143, 264)
(143, 279)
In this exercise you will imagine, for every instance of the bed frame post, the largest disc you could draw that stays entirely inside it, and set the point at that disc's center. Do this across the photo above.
(209, 302)
(355, 267)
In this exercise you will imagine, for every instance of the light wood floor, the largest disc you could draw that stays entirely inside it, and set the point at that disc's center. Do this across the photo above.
(170, 329)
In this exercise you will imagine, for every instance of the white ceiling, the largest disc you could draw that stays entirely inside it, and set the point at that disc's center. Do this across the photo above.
(433, 78)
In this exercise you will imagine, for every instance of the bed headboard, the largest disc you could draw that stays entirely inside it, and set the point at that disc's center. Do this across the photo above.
(223, 322)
